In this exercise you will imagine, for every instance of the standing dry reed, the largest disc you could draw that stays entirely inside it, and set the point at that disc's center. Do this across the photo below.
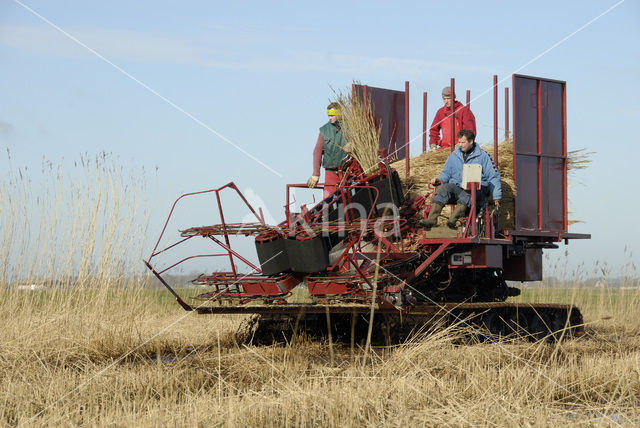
(81, 227)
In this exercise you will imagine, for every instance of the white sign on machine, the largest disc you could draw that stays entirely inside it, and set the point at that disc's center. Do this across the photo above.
(471, 173)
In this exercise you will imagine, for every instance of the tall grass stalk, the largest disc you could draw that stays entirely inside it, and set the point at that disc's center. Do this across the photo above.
(84, 227)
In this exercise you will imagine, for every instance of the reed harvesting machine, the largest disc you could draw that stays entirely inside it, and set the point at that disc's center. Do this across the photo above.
(359, 257)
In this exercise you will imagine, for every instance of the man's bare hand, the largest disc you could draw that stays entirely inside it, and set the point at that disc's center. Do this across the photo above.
(435, 182)
(312, 181)
(348, 148)
(496, 202)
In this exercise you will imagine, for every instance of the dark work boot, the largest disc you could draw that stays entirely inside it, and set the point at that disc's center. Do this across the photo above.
(459, 211)
(432, 219)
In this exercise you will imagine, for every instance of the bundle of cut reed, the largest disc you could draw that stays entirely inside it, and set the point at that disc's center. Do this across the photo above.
(428, 165)
(361, 131)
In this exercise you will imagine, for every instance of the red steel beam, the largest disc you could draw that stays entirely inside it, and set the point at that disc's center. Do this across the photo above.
(226, 236)
(453, 114)
(230, 185)
(506, 113)
(197, 256)
(539, 144)
(424, 122)
(495, 119)
(182, 303)
(429, 260)
(153, 252)
(229, 250)
(468, 98)
(406, 126)
(565, 220)
(513, 147)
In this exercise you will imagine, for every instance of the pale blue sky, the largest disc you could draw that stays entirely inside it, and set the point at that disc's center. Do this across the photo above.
(260, 74)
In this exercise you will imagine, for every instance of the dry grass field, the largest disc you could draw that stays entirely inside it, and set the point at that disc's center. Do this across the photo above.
(134, 357)
(101, 348)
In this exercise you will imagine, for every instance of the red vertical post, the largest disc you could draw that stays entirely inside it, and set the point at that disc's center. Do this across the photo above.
(453, 114)
(472, 213)
(287, 212)
(424, 122)
(565, 220)
(406, 126)
(506, 113)
(513, 148)
(539, 144)
(468, 98)
(495, 119)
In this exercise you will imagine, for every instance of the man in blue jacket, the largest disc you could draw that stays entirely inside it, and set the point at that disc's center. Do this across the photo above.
(467, 152)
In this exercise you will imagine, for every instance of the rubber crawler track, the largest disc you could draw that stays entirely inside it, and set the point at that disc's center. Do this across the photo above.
(535, 322)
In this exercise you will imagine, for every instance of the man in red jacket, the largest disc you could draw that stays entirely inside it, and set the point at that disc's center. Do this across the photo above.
(464, 120)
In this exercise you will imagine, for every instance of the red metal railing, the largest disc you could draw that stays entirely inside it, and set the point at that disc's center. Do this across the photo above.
(223, 228)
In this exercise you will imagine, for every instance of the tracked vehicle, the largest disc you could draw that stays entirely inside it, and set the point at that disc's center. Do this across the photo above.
(360, 256)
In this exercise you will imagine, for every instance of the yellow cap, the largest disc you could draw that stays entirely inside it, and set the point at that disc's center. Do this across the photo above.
(334, 112)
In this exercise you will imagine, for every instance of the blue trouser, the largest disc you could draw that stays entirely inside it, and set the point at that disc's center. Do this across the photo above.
(449, 193)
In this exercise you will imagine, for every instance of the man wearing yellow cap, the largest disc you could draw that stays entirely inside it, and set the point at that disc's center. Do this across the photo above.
(329, 151)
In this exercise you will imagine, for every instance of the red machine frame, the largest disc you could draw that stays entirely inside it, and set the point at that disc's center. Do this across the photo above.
(364, 243)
